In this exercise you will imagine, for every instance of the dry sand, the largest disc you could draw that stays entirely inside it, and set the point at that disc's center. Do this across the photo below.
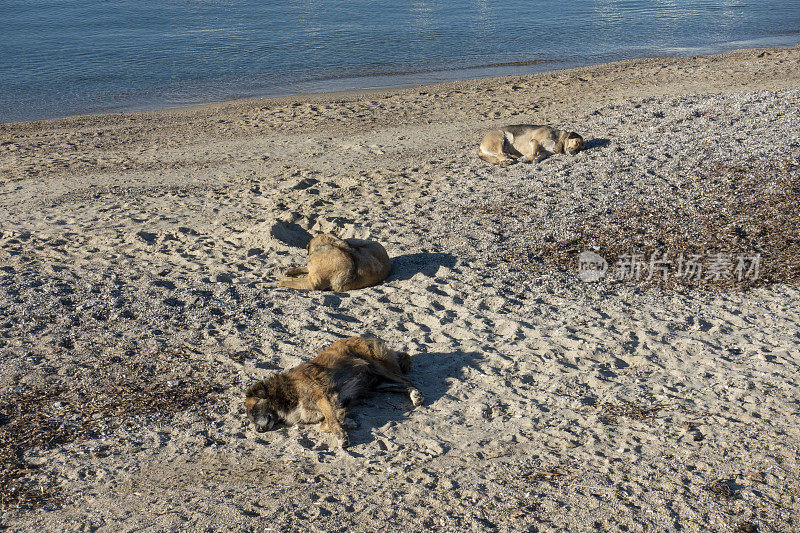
(137, 254)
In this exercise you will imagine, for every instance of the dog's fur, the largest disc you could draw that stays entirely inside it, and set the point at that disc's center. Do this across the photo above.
(340, 265)
(527, 143)
(318, 390)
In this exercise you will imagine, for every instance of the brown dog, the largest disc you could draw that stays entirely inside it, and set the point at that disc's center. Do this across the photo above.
(318, 390)
(340, 265)
(527, 143)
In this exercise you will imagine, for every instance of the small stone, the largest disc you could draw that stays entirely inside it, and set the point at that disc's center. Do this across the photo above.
(447, 484)
(36, 461)
(434, 448)
(721, 488)
(745, 527)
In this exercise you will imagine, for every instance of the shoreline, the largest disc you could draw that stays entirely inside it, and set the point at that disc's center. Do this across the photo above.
(378, 91)
(37, 149)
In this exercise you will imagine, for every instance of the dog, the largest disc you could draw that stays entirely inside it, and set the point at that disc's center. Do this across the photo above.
(527, 143)
(319, 390)
(340, 265)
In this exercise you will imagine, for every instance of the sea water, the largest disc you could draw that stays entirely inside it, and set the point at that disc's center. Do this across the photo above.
(65, 57)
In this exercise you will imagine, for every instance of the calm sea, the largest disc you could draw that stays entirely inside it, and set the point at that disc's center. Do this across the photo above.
(65, 57)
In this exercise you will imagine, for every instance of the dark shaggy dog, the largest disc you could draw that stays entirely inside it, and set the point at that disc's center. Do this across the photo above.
(318, 390)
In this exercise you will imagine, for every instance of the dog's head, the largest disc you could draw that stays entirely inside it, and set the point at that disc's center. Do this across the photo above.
(325, 239)
(574, 143)
(320, 240)
(259, 412)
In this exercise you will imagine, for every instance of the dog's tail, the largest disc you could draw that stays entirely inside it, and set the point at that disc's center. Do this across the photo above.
(404, 362)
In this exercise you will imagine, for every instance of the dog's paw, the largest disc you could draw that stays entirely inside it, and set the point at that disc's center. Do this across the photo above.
(349, 423)
(416, 397)
(343, 441)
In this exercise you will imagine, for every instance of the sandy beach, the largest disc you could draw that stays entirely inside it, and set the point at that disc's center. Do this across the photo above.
(138, 255)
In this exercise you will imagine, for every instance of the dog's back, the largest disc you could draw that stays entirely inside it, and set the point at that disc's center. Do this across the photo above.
(353, 366)
(509, 143)
(361, 264)
(518, 130)
(522, 134)
(340, 265)
(331, 266)
(361, 350)
(372, 263)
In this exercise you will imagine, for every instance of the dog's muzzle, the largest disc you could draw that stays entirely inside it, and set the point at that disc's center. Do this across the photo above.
(263, 425)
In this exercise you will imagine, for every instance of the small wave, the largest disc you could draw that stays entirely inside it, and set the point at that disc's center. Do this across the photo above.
(439, 68)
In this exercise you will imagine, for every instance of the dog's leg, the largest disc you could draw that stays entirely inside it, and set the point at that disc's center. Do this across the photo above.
(498, 150)
(403, 362)
(496, 159)
(296, 271)
(534, 154)
(509, 149)
(312, 282)
(541, 152)
(392, 369)
(349, 423)
(399, 383)
(296, 283)
(416, 396)
(333, 418)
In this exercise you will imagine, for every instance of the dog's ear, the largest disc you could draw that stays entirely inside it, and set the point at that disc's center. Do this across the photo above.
(257, 390)
(333, 240)
(316, 240)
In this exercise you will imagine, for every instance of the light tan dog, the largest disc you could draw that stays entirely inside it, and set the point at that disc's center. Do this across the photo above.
(318, 390)
(527, 143)
(340, 265)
